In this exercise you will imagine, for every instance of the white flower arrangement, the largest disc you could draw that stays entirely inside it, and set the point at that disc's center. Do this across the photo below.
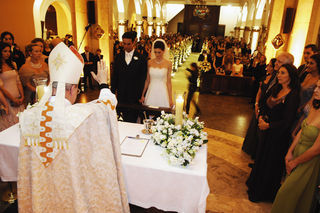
(181, 142)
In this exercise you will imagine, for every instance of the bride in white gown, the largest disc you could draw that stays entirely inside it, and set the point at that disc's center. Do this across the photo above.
(158, 83)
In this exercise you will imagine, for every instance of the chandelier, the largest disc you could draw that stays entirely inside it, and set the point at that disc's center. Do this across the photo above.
(201, 10)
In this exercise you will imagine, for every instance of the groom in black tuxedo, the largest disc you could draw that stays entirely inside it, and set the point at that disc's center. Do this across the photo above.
(129, 75)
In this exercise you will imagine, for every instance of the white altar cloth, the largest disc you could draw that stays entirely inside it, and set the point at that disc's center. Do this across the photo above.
(149, 179)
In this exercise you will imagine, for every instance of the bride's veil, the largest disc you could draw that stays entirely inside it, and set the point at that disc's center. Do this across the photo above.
(166, 54)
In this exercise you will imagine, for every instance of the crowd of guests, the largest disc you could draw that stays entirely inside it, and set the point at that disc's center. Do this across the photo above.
(227, 56)
(20, 70)
(283, 136)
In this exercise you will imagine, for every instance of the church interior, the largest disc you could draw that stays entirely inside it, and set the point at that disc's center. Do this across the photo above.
(227, 103)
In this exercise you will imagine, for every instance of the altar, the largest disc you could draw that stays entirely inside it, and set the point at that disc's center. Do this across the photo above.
(150, 180)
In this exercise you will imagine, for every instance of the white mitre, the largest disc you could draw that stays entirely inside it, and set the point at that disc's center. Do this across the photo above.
(65, 64)
(47, 125)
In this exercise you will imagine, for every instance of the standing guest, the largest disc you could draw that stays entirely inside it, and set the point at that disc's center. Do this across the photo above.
(309, 50)
(11, 87)
(4, 106)
(40, 42)
(307, 88)
(259, 73)
(16, 54)
(228, 61)
(68, 40)
(47, 48)
(33, 69)
(88, 58)
(116, 48)
(251, 140)
(275, 119)
(302, 165)
(193, 85)
(158, 87)
(129, 75)
(311, 79)
(75, 149)
(97, 57)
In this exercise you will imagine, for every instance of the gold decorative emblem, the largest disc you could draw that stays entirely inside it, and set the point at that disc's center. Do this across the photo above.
(58, 61)
(278, 41)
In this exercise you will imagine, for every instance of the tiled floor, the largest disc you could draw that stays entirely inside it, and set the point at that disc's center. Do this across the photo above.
(227, 119)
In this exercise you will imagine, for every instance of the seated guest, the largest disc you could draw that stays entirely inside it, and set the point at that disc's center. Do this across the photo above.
(302, 165)
(309, 50)
(16, 54)
(69, 155)
(10, 87)
(275, 119)
(33, 69)
(237, 68)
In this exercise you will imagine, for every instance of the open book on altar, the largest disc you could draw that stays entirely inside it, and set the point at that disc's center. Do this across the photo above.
(133, 146)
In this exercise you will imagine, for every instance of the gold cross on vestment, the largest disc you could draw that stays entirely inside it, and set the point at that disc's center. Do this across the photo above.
(58, 61)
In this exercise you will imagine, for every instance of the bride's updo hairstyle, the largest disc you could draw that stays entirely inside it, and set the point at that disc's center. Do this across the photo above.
(159, 45)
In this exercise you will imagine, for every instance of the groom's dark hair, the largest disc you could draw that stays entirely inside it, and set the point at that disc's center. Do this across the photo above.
(130, 35)
(159, 45)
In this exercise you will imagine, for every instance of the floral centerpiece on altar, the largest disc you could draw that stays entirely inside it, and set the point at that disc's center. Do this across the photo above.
(181, 142)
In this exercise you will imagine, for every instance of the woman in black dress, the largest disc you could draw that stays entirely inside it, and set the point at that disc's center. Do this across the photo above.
(276, 116)
(251, 140)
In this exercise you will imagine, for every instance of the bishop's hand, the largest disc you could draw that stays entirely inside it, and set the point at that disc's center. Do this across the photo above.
(102, 76)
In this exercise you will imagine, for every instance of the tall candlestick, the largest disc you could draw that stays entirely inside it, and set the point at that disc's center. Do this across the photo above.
(179, 110)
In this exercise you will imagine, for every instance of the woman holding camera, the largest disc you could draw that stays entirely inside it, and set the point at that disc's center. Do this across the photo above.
(276, 116)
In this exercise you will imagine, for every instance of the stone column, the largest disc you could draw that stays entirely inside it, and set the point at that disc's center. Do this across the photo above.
(241, 32)
(237, 32)
(121, 29)
(150, 28)
(255, 32)
(246, 34)
(158, 29)
(139, 29)
(164, 28)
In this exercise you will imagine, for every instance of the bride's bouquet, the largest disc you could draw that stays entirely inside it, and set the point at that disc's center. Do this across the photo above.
(181, 142)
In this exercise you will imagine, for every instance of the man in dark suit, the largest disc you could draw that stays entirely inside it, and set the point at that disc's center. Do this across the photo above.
(128, 77)
(88, 58)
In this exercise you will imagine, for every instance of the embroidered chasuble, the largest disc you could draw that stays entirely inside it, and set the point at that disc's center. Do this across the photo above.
(78, 172)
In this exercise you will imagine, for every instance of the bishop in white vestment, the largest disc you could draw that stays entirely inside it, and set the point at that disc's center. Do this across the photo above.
(69, 157)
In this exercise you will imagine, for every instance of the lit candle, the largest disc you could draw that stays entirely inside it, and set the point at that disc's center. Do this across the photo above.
(179, 110)
(40, 90)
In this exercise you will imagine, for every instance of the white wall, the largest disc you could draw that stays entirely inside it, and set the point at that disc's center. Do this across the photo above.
(173, 23)
(228, 17)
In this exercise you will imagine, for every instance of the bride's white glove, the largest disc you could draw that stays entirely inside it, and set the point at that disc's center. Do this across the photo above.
(102, 75)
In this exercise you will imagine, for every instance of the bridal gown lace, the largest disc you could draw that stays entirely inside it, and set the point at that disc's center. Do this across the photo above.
(157, 94)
